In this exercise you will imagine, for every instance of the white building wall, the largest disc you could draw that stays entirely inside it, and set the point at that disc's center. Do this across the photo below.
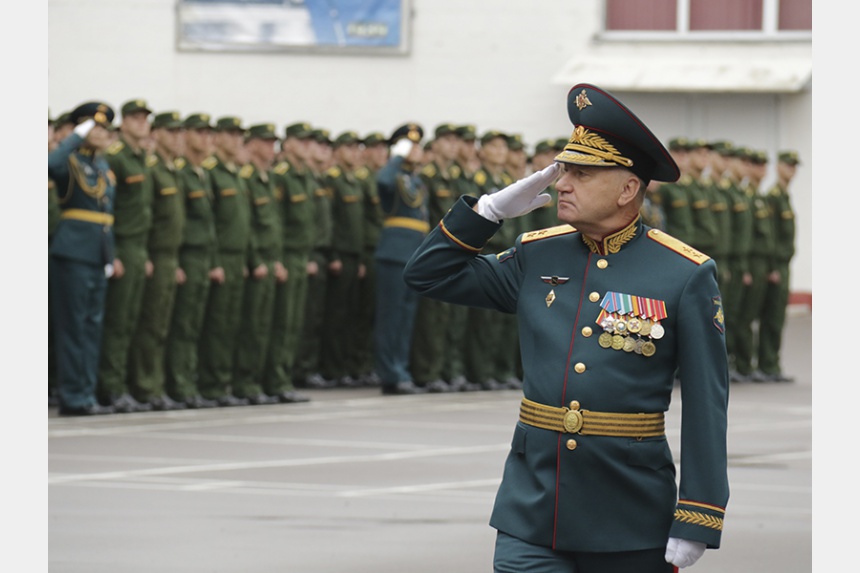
(471, 61)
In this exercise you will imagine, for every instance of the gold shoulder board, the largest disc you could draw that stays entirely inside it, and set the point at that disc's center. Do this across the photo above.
(480, 178)
(429, 170)
(507, 179)
(685, 179)
(210, 162)
(151, 160)
(115, 148)
(281, 168)
(678, 246)
(454, 171)
(246, 171)
(179, 162)
(333, 171)
(362, 173)
(548, 232)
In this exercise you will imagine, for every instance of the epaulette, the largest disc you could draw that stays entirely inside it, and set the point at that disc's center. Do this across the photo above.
(507, 179)
(179, 162)
(282, 167)
(333, 171)
(547, 233)
(362, 173)
(429, 170)
(246, 171)
(678, 246)
(454, 171)
(151, 160)
(115, 148)
(775, 191)
(209, 163)
(480, 177)
(725, 183)
(685, 179)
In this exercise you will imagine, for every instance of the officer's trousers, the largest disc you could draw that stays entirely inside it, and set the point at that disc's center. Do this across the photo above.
(340, 314)
(255, 326)
(517, 556)
(396, 305)
(78, 292)
(772, 322)
(308, 358)
(747, 334)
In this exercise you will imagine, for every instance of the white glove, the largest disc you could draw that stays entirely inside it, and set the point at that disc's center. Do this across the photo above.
(401, 148)
(518, 198)
(683, 552)
(84, 128)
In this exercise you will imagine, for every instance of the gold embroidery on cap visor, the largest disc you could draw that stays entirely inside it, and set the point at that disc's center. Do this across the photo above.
(587, 148)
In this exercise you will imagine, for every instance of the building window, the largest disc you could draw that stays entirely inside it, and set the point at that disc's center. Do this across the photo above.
(707, 17)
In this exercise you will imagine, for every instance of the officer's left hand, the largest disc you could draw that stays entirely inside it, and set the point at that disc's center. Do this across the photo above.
(518, 198)
(683, 552)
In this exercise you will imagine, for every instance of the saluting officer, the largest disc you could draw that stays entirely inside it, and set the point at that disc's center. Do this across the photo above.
(199, 265)
(609, 309)
(132, 267)
(81, 253)
(404, 201)
(146, 356)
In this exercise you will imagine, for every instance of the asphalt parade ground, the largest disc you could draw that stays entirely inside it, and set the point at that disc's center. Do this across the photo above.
(357, 482)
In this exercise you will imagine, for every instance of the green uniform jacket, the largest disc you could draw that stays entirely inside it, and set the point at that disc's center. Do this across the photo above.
(764, 232)
(575, 492)
(347, 212)
(322, 198)
(784, 223)
(232, 206)
(742, 226)
(675, 201)
(442, 189)
(266, 231)
(372, 212)
(133, 206)
(168, 209)
(486, 183)
(722, 217)
(293, 190)
(199, 229)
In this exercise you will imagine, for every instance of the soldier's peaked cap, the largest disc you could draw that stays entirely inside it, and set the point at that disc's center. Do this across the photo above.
(606, 134)
(411, 131)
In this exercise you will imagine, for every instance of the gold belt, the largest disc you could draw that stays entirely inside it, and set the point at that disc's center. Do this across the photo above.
(408, 223)
(588, 423)
(88, 216)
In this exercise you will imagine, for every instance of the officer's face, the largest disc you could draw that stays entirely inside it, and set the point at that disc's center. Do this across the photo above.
(136, 124)
(446, 146)
(169, 141)
(495, 151)
(785, 171)
(588, 196)
(99, 138)
(199, 141)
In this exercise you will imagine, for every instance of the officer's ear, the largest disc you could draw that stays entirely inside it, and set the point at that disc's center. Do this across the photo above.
(630, 188)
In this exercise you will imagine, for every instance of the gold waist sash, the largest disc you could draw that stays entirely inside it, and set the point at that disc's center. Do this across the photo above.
(88, 216)
(588, 423)
(408, 223)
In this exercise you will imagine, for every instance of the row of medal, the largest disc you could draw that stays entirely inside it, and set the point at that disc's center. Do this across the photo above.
(617, 331)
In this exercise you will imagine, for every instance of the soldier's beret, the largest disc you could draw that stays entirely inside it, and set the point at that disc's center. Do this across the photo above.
(789, 157)
(545, 145)
(299, 130)
(102, 113)
(261, 131)
(411, 131)
(198, 121)
(347, 138)
(608, 134)
(321, 136)
(229, 123)
(445, 129)
(491, 135)
(134, 106)
(167, 120)
(467, 132)
(374, 138)
(515, 142)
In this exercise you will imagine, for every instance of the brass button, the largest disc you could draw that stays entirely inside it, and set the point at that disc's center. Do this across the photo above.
(594, 297)
(586, 332)
(602, 263)
(571, 444)
(580, 367)
(574, 405)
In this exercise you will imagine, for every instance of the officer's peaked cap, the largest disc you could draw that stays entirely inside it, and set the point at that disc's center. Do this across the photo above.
(102, 113)
(411, 131)
(606, 134)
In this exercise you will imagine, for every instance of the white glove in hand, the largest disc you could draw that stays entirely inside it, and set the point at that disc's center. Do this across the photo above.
(683, 552)
(84, 128)
(518, 198)
(401, 148)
